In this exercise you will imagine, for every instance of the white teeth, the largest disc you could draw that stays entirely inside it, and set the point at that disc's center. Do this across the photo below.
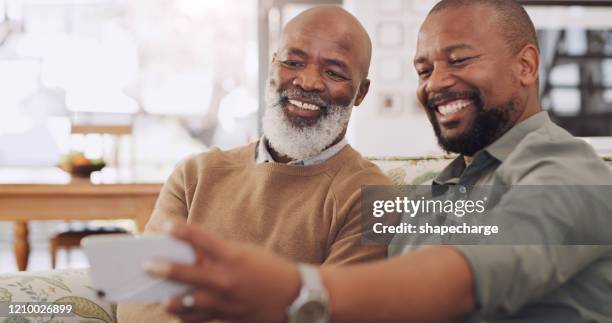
(453, 106)
(304, 105)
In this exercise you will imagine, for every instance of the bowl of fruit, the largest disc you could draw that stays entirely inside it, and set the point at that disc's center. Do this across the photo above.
(78, 165)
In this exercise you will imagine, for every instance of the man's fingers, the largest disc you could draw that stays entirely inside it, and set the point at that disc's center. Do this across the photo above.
(205, 276)
(208, 242)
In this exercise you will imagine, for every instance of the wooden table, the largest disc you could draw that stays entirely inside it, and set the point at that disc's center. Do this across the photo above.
(28, 194)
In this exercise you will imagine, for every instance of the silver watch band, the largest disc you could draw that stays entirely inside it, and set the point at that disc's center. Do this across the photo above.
(310, 276)
(311, 305)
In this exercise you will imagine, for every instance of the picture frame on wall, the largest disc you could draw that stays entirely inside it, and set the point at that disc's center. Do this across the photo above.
(390, 103)
(389, 69)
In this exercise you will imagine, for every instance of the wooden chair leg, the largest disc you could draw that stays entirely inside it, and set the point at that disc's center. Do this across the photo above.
(53, 251)
(21, 245)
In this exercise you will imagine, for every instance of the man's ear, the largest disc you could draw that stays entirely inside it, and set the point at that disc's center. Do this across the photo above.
(362, 91)
(529, 65)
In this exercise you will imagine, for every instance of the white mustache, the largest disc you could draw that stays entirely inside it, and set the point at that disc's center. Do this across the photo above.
(300, 142)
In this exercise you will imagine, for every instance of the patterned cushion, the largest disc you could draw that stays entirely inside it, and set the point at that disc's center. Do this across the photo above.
(67, 286)
(411, 171)
(418, 171)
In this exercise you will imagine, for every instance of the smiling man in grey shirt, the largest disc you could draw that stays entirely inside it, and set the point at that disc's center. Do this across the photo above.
(545, 282)
(479, 84)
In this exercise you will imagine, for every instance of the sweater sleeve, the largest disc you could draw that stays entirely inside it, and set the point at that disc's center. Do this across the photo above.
(346, 244)
(172, 202)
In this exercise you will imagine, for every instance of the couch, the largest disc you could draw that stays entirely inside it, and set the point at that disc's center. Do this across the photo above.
(59, 286)
(72, 285)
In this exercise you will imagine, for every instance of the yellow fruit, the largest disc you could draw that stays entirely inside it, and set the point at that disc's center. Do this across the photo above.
(80, 160)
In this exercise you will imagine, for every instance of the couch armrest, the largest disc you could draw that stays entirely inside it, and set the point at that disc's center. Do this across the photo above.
(68, 285)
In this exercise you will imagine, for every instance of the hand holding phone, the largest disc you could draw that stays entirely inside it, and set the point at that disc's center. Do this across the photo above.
(116, 266)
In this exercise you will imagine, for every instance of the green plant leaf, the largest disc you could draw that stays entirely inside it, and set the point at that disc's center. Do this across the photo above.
(420, 180)
(86, 308)
(54, 282)
(5, 295)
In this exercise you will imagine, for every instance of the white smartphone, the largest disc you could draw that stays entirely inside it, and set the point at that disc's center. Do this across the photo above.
(116, 266)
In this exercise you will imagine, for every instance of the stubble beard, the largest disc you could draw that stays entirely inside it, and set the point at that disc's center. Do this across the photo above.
(488, 125)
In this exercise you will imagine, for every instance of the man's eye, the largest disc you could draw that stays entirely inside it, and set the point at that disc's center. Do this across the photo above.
(335, 75)
(423, 73)
(459, 60)
(291, 64)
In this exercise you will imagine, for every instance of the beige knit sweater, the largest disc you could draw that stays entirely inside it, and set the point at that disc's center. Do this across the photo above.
(305, 213)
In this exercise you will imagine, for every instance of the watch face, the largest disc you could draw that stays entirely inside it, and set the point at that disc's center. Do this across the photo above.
(312, 311)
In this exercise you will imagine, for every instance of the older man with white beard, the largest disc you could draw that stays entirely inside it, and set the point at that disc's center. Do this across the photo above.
(297, 190)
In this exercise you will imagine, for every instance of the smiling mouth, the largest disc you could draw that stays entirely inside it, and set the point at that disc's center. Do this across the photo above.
(302, 110)
(452, 107)
(304, 105)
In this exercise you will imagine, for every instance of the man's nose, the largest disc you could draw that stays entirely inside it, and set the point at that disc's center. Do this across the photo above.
(439, 80)
(309, 79)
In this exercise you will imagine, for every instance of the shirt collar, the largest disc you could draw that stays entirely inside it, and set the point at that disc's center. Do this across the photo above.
(451, 173)
(264, 156)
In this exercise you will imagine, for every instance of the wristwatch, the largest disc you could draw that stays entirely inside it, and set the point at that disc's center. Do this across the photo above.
(311, 305)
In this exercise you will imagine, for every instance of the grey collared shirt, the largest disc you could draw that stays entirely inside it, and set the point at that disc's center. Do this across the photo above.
(264, 156)
(538, 283)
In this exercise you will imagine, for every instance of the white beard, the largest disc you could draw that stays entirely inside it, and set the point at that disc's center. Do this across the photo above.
(301, 141)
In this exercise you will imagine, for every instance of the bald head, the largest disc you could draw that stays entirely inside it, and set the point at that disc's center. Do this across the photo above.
(510, 17)
(335, 25)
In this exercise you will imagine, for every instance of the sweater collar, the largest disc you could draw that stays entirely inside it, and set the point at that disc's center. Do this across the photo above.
(262, 154)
